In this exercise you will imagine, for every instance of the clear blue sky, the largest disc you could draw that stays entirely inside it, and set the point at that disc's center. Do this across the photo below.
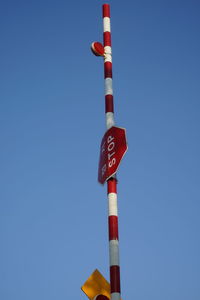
(53, 213)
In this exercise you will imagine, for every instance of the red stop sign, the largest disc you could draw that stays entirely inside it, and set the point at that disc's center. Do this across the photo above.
(112, 149)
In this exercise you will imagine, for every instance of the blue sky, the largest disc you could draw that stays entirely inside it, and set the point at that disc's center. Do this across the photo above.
(53, 213)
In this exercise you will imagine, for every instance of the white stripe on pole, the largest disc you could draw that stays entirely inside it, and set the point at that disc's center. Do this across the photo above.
(107, 57)
(114, 252)
(107, 54)
(112, 204)
(106, 24)
(108, 50)
(110, 120)
(115, 296)
(108, 86)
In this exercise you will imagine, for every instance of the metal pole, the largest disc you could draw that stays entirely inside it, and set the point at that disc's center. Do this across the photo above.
(112, 182)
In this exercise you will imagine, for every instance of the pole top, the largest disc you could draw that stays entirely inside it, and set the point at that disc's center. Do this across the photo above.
(106, 10)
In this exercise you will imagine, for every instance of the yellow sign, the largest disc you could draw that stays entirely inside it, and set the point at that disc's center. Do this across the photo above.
(96, 284)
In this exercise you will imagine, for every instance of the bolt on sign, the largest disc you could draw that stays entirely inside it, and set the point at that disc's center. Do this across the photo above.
(112, 149)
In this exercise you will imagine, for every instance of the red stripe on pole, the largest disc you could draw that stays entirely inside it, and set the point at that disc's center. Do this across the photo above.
(112, 185)
(108, 69)
(113, 228)
(106, 10)
(114, 279)
(107, 38)
(109, 103)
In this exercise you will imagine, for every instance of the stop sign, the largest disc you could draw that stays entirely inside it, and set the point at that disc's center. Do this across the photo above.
(112, 149)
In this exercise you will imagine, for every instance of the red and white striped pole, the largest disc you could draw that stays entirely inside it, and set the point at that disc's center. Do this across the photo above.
(109, 108)
(106, 51)
(112, 182)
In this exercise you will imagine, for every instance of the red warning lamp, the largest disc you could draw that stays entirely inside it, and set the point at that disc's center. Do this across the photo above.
(97, 49)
